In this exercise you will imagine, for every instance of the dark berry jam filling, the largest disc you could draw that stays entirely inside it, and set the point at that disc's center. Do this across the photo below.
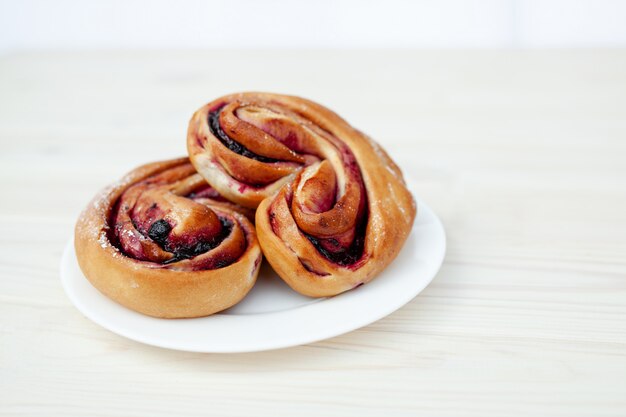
(238, 148)
(200, 247)
(343, 256)
(351, 255)
(159, 232)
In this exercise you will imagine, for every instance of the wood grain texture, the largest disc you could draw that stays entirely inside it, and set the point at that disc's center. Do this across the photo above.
(522, 154)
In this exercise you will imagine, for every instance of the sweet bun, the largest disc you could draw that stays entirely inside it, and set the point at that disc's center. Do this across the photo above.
(332, 208)
(164, 243)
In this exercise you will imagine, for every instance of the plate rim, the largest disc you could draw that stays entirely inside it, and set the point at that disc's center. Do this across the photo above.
(302, 338)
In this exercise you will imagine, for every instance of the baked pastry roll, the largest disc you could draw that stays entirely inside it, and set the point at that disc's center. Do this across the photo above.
(164, 243)
(333, 208)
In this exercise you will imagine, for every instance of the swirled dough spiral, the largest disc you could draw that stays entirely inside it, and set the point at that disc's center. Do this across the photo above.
(163, 242)
(333, 209)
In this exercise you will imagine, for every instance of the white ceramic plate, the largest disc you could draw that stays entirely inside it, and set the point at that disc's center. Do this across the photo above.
(272, 315)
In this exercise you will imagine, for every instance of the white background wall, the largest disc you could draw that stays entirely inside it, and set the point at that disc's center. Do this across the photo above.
(42, 24)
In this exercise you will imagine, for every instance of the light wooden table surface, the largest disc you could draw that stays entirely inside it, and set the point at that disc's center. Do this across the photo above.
(522, 154)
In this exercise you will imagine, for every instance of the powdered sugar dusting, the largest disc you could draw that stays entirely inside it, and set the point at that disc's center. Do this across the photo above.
(384, 159)
(100, 202)
(392, 171)
(103, 240)
(377, 223)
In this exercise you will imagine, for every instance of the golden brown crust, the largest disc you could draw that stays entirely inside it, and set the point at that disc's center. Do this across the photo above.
(172, 290)
(333, 208)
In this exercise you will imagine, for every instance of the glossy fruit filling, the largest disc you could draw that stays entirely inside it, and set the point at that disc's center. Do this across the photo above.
(238, 148)
(165, 219)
